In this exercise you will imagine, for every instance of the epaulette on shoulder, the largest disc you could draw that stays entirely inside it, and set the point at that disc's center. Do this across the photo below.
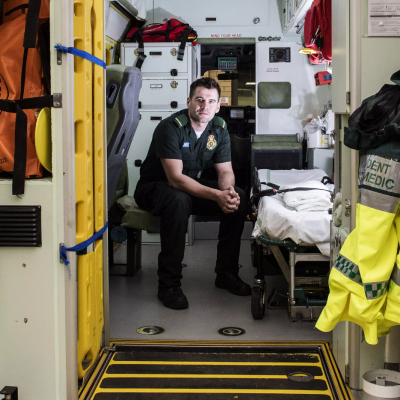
(218, 121)
(181, 120)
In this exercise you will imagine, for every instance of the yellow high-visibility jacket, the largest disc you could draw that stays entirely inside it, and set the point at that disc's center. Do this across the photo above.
(365, 279)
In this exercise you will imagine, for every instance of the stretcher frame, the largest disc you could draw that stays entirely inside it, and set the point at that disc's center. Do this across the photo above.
(314, 307)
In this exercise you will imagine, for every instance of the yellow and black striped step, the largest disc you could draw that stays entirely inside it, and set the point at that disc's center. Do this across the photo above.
(218, 372)
(210, 396)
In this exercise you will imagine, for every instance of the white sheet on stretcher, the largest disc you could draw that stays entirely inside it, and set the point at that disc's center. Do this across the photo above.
(277, 221)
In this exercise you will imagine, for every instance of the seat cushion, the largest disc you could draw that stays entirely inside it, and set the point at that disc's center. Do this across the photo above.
(136, 218)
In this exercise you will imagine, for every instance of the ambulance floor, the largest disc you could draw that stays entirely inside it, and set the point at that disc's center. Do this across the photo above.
(134, 303)
(216, 371)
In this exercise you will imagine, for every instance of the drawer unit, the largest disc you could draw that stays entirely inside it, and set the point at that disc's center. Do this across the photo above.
(161, 92)
(161, 58)
(141, 143)
(161, 85)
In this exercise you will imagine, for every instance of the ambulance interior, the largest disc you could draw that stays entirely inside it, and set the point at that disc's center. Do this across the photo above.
(286, 119)
(133, 302)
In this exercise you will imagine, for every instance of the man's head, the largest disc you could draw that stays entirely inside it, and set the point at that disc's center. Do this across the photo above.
(203, 100)
(208, 83)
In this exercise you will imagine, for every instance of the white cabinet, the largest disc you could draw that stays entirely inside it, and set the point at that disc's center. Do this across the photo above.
(306, 98)
(161, 58)
(164, 91)
(228, 14)
(165, 88)
(141, 143)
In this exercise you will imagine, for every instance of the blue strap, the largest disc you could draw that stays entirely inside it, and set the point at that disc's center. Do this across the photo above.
(82, 54)
(81, 246)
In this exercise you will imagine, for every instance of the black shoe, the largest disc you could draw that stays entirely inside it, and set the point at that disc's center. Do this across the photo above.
(173, 298)
(233, 284)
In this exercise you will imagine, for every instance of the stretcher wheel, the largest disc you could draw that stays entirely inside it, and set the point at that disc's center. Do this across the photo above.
(258, 300)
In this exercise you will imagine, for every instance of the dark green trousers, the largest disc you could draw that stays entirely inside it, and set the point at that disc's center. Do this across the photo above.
(175, 207)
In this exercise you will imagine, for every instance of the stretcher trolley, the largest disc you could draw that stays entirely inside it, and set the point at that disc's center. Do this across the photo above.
(293, 243)
(307, 294)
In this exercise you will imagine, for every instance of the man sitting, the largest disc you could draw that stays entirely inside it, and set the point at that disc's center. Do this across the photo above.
(171, 187)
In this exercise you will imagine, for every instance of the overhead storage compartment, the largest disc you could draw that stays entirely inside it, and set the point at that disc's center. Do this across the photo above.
(294, 13)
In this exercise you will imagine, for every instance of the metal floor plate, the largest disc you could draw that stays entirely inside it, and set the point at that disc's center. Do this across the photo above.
(149, 370)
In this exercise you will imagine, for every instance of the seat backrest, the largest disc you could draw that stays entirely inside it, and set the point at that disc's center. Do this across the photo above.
(122, 97)
(122, 186)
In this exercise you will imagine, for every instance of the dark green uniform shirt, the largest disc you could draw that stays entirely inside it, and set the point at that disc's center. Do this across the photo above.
(175, 138)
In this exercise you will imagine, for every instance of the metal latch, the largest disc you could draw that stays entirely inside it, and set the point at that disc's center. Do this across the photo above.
(338, 241)
(110, 350)
(61, 259)
(347, 208)
(57, 100)
(348, 97)
(174, 52)
(174, 84)
(59, 55)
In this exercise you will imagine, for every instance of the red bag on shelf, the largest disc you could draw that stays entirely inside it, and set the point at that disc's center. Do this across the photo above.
(171, 31)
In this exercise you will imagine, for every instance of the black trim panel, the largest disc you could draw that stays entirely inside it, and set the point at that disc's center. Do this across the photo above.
(20, 226)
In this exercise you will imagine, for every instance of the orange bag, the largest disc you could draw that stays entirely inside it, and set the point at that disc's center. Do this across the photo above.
(21, 78)
(14, 8)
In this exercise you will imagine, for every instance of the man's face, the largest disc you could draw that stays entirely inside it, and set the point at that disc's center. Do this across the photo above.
(203, 105)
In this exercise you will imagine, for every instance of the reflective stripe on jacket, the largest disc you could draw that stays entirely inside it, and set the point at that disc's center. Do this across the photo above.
(365, 279)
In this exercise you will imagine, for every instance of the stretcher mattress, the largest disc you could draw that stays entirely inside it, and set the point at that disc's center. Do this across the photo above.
(277, 221)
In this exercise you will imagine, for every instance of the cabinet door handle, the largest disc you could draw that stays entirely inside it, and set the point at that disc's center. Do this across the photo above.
(155, 118)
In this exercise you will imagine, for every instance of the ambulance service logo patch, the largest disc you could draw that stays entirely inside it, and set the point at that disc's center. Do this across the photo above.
(211, 143)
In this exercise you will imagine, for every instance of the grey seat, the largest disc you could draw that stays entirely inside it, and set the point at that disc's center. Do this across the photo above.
(135, 220)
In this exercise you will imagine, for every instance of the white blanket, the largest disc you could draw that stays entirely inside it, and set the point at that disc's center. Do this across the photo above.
(308, 200)
(314, 206)
(277, 221)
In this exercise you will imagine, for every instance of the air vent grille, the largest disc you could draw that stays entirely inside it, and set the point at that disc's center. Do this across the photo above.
(20, 226)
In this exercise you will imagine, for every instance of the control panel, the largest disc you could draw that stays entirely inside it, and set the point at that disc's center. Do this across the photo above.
(279, 54)
(227, 63)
